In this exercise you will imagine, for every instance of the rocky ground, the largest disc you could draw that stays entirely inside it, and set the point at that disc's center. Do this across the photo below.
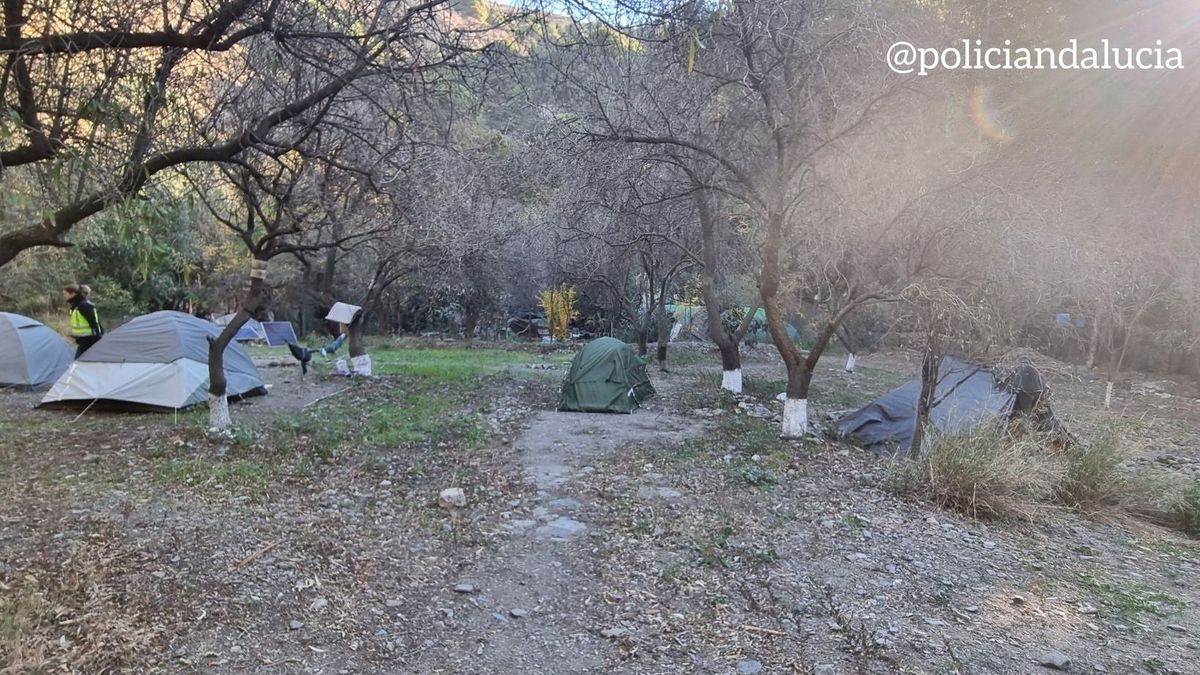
(683, 538)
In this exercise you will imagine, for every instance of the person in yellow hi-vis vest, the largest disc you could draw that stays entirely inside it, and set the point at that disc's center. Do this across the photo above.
(85, 320)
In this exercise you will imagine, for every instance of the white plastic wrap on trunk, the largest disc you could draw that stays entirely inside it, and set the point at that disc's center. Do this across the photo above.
(341, 367)
(361, 365)
(1108, 395)
(218, 413)
(850, 361)
(732, 380)
(795, 417)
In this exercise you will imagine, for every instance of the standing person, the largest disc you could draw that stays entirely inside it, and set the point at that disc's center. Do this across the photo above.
(85, 320)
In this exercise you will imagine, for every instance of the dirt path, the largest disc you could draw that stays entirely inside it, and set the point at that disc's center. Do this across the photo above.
(536, 603)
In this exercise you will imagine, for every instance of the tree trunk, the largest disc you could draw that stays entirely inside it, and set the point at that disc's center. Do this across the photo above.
(731, 368)
(1118, 358)
(846, 337)
(357, 348)
(1114, 369)
(664, 336)
(1093, 342)
(795, 405)
(740, 334)
(731, 360)
(799, 374)
(218, 411)
(470, 322)
(219, 419)
(642, 339)
(930, 364)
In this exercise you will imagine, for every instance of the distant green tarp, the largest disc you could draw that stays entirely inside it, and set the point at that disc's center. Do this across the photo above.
(691, 323)
(606, 376)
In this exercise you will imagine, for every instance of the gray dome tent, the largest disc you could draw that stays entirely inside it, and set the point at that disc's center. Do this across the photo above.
(31, 355)
(967, 396)
(158, 361)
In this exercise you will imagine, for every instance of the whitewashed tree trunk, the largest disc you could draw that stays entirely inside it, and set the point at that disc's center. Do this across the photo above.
(850, 362)
(1108, 387)
(731, 380)
(795, 418)
(218, 413)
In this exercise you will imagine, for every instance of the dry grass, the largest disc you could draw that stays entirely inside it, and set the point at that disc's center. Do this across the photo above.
(1167, 500)
(1185, 509)
(82, 615)
(988, 474)
(981, 473)
(1094, 477)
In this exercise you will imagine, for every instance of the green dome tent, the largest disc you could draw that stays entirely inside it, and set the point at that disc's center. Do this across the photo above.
(606, 376)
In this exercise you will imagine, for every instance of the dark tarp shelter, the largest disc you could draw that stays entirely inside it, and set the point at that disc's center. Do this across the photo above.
(606, 376)
(967, 396)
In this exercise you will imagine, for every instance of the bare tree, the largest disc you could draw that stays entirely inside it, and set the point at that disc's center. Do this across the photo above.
(764, 107)
(206, 102)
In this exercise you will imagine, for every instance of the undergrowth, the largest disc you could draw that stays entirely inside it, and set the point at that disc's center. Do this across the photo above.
(980, 473)
(987, 473)
(1093, 477)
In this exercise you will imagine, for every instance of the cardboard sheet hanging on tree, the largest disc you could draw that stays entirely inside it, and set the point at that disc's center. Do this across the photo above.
(342, 312)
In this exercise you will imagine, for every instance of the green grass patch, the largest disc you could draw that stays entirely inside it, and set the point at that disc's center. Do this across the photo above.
(325, 429)
(834, 391)
(754, 474)
(1185, 509)
(458, 364)
(1093, 476)
(417, 418)
(744, 436)
(674, 574)
(396, 419)
(711, 550)
(451, 364)
(1130, 601)
(718, 548)
(1175, 549)
(216, 472)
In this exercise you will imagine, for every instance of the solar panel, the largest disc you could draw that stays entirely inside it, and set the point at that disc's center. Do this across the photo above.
(279, 333)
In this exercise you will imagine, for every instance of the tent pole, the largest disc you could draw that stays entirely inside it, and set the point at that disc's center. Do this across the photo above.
(84, 411)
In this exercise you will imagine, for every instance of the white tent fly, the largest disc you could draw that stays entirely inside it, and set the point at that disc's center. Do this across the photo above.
(158, 361)
(31, 355)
